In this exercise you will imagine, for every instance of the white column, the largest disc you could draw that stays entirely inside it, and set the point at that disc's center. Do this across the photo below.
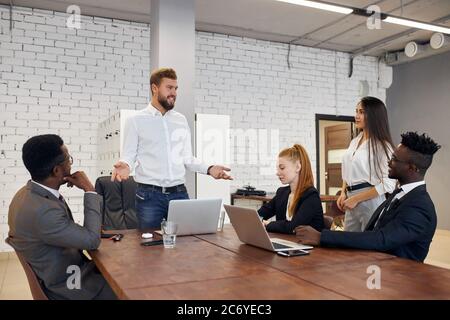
(172, 45)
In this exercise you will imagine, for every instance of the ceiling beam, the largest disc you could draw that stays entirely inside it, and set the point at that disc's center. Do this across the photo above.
(241, 32)
(299, 38)
(91, 10)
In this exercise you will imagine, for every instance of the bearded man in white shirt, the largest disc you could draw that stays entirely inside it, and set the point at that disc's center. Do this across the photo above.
(157, 143)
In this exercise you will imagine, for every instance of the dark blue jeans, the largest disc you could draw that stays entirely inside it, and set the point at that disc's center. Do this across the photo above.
(152, 206)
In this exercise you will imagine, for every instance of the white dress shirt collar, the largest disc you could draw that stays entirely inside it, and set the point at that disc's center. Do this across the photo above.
(52, 191)
(410, 186)
(155, 112)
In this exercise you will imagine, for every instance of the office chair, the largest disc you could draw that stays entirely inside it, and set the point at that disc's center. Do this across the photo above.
(327, 222)
(33, 281)
(118, 211)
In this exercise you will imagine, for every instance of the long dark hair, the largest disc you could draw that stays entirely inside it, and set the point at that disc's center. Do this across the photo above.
(377, 126)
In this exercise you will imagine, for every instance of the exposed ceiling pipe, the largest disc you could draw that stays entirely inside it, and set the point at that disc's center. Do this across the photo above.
(439, 40)
(394, 58)
(413, 48)
(10, 15)
(394, 37)
(414, 51)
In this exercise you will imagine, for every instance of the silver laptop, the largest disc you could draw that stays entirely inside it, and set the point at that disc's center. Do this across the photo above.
(195, 216)
(250, 230)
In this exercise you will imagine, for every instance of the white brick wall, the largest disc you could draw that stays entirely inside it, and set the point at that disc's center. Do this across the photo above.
(64, 81)
(249, 80)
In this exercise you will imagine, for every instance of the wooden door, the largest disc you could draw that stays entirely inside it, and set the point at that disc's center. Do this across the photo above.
(337, 140)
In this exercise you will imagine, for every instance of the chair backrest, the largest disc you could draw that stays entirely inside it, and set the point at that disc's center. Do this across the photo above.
(35, 286)
(327, 222)
(118, 210)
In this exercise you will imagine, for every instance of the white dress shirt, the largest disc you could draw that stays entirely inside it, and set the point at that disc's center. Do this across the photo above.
(159, 147)
(356, 170)
(52, 191)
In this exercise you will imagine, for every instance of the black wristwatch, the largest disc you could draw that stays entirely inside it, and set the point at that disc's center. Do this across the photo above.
(207, 171)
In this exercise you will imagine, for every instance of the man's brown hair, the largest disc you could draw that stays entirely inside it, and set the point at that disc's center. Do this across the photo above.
(159, 74)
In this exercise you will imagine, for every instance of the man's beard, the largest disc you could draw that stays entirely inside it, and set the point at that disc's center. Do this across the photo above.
(165, 103)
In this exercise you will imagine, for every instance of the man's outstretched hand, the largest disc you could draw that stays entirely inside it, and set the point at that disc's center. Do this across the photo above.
(120, 172)
(219, 172)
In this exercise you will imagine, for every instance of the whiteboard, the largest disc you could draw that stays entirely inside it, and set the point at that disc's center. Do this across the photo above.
(212, 146)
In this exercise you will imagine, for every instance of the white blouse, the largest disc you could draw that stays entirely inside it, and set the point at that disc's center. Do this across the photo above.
(356, 170)
(287, 208)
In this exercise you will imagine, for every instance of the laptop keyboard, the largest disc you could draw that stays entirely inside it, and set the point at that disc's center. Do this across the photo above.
(280, 246)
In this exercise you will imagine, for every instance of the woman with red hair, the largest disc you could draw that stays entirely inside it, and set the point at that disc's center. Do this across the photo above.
(299, 202)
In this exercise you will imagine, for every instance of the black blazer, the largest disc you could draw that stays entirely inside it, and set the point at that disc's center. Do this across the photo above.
(405, 230)
(308, 211)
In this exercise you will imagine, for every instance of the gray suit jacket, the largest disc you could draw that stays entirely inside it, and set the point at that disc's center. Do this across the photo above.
(41, 229)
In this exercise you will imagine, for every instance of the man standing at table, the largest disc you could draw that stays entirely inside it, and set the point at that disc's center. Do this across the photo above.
(157, 142)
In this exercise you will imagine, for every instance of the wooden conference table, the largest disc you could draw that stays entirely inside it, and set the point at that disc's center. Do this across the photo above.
(219, 266)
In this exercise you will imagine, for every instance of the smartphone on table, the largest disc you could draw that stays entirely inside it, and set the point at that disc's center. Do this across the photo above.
(293, 253)
(111, 236)
(151, 242)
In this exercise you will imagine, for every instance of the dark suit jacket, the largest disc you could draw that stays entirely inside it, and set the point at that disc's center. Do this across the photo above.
(405, 230)
(41, 228)
(308, 211)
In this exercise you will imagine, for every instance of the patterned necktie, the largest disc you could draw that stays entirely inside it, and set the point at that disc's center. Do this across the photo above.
(389, 204)
(67, 207)
(393, 199)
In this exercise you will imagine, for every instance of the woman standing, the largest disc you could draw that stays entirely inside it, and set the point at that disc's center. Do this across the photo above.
(299, 202)
(365, 165)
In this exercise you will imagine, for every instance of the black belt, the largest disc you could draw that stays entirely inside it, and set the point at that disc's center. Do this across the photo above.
(178, 188)
(359, 186)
